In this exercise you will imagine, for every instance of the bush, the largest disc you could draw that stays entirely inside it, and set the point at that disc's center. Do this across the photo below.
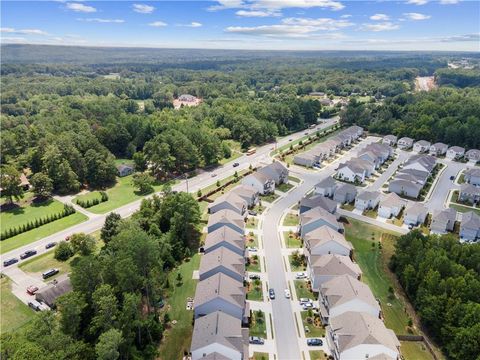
(63, 251)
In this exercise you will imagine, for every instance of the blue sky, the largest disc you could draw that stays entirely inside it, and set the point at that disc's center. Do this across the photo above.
(247, 24)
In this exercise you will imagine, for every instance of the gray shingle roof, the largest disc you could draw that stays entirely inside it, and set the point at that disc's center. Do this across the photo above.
(222, 286)
(470, 220)
(51, 292)
(226, 234)
(319, 201)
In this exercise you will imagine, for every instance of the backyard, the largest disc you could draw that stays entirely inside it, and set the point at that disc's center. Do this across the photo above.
(15, 314)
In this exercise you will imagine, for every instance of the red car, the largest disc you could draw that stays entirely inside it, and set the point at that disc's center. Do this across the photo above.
(32, 289)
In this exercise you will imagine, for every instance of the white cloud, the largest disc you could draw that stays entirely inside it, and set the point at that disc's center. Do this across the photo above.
(257, 13)
(383, 26)
(380, 17)
(416, 16)
(158, 24)
(193, 24)
(23, 31)
(12, 40)
(81, 8)
(276, 4)
(326, 24)
(346, 16)
(449, 2)
(99, 20)
(143, 9)
(417, 2)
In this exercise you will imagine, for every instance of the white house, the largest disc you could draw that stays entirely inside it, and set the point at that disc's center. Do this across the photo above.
(230, 201)
(405, 143)
(247, 193)
(276, 171)
(455, 152)
(421, 146)
(390, 140)
(367, 200)
(470, 226)
(469, 193)
(438, 149)
(405, 188)
(326, 187)
(415, 213)
(420, 162)
(323, 268)
(315, 218)
(324, 240)
(473, 155)
(345, 193)
(443, 221)
(359, 335)
(260, 182)
(355, 170)
(390, 205)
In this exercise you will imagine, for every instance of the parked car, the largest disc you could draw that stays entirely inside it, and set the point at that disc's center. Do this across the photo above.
(213, 175)
(32, 289)
(252, 249)
(306, 133)
(290, 139)
(50, 273)
(307, 306)
(287, 293)
(235, 164)
(10, 262)
(254, 277)
(300, 275)
(314, 342)
(35, 305)
(452, 177)
(256, 340)
(305, 301)
(27, 254)
(50, 245)
(252, 212)
(271, 294)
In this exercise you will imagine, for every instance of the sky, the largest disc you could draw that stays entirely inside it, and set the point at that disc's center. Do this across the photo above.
(451, 25)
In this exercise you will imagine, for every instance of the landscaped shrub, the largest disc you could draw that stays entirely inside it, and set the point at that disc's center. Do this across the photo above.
(92, 202)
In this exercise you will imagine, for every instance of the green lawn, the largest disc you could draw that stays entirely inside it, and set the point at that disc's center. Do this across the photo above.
(294, 179)
(292, 240)
(301, 267)
(255, 292)
(252, 222)
(88, 196)
(252, 240)
(235, 155)
(44, 262)
(284, 187)
(258, 325)
(302, 290)
(259, 208)
(260, 356)
(317, 355)
(462, 209)
(40, 232)
(214, 186)
(177, 339)
(15, 314)
(415, 350)
(291, 220)
(375, 271)
(269, 198)
(121, 194)
(371, 213)
(254, 265)
(347, 206)
(315, 327)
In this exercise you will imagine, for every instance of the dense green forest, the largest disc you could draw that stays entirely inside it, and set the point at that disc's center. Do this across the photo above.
(442, 279)
(112, 311)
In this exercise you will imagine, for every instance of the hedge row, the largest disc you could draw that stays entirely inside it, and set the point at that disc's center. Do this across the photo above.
(67, 210)
(89, 203)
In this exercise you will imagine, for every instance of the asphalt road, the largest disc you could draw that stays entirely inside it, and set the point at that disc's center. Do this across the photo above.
(441, 189)
(95, 222)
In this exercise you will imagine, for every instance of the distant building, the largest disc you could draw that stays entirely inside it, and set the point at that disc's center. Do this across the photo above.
(405, 143)
(421, 146)
(455, 153)
(186, 100)
(124, 170)
(470, 226)
(438, 149)
(50, 293)
(390, 140)
(473, 155)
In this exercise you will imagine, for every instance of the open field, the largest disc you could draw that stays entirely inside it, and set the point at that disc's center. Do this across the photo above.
(15, 314)
(178, 337)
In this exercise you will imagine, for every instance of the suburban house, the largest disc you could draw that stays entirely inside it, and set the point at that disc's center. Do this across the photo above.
(438, 149)
(226, 237)
(390, 140)
(343, 294)
(405, 188)
(405, 143)
(473, 155)
(370, 156)
(417, 176)
(50, 293)
(469, 193)
(455, 152)
(228, 218)
(326, 187)
(355, 170)
(358, 335)
(367, 200)
(228, 201)
(224, 261)
(415, 214)
(220, 292)
(247, 193)
(443, 221)
(310, 202)
(124, 170)
(345, 193)
(470, 226)
(315, 218)
(381, 150)
(420, 162)
(276, 171)
(219, 336)
(260, 182)
(307, 159)
(323, 268)
(421, 146)
(472, 176)
(324, 240)
(390, 205)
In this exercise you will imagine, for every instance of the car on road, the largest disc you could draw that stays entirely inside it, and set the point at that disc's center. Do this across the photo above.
(300, 275)
(306, 133)
(314, 342)
(27, 254)
(410, 227)
(50, 273)
(235, 164)
(307, 306)
(271, 294)
(50, 245)
(287, 293)
(252, 249)
(10, 262)
(252, 212)
(256, 340)
(290, 139)
(213, 175)
(32, 289)
(254, 277)
(452, 177)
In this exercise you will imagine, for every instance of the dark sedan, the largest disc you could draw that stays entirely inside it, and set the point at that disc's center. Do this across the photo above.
(314, 342)
(28, 253)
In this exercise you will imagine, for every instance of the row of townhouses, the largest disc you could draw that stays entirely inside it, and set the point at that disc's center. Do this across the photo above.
(348, 309)
(470, 190)
(437, 149)
(327, 149)
(221, 311)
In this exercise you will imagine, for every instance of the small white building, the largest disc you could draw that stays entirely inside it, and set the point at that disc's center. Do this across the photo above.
(260, 182)
(473, 155)
(390, 140)
(367, 200)
(324, 240)
(455, 152)
(405, 143)
(470, 227)
(326, 187)
(390, 205)
(443, 221)
(438, 149)
(421, 146)
(415, 214)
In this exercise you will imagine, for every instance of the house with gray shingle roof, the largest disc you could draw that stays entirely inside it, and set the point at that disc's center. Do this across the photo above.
(415, 213)
(367, 200)
(455, 152)
(310, 202)
(390, 205)
(405, 188)
(345, 193)
(420, 162)
(315, 218)
(355, 170)
(324, 240)
(405, 143)
(443, 221)
(260, 182)
(325, 267)
(247, 193)
(470, 226)
(390, 140)
(225, 236)
(226, 218)
(438, 149)
(469, 193)
(230, 201)
(50, 293)
(326, 187)
(276, 171)
(222, 260)
(472, 176)
(421, 146)
(473, 155)
(307, 159)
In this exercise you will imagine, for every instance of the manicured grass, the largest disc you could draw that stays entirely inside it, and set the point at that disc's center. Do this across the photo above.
(235, 155)
(269, 198)
(463, 209)
(252, 240)
(15, 314)
(348, 207)
(88, 196)
(45, 262)
(294, 179)
(291, 220)
(317, 355)
(255, 292)
(284, 187)
(292, 240)
(303, 138)
(415, 350)
(177, 339)
(258, 325)
(301, 288)
(253, 265)
(316, 328)
(214, 186)
(260, 356)
(373, 262)
(259, 209)
(301, 267)
(371, 213)
(41, 232)
(252, 222)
